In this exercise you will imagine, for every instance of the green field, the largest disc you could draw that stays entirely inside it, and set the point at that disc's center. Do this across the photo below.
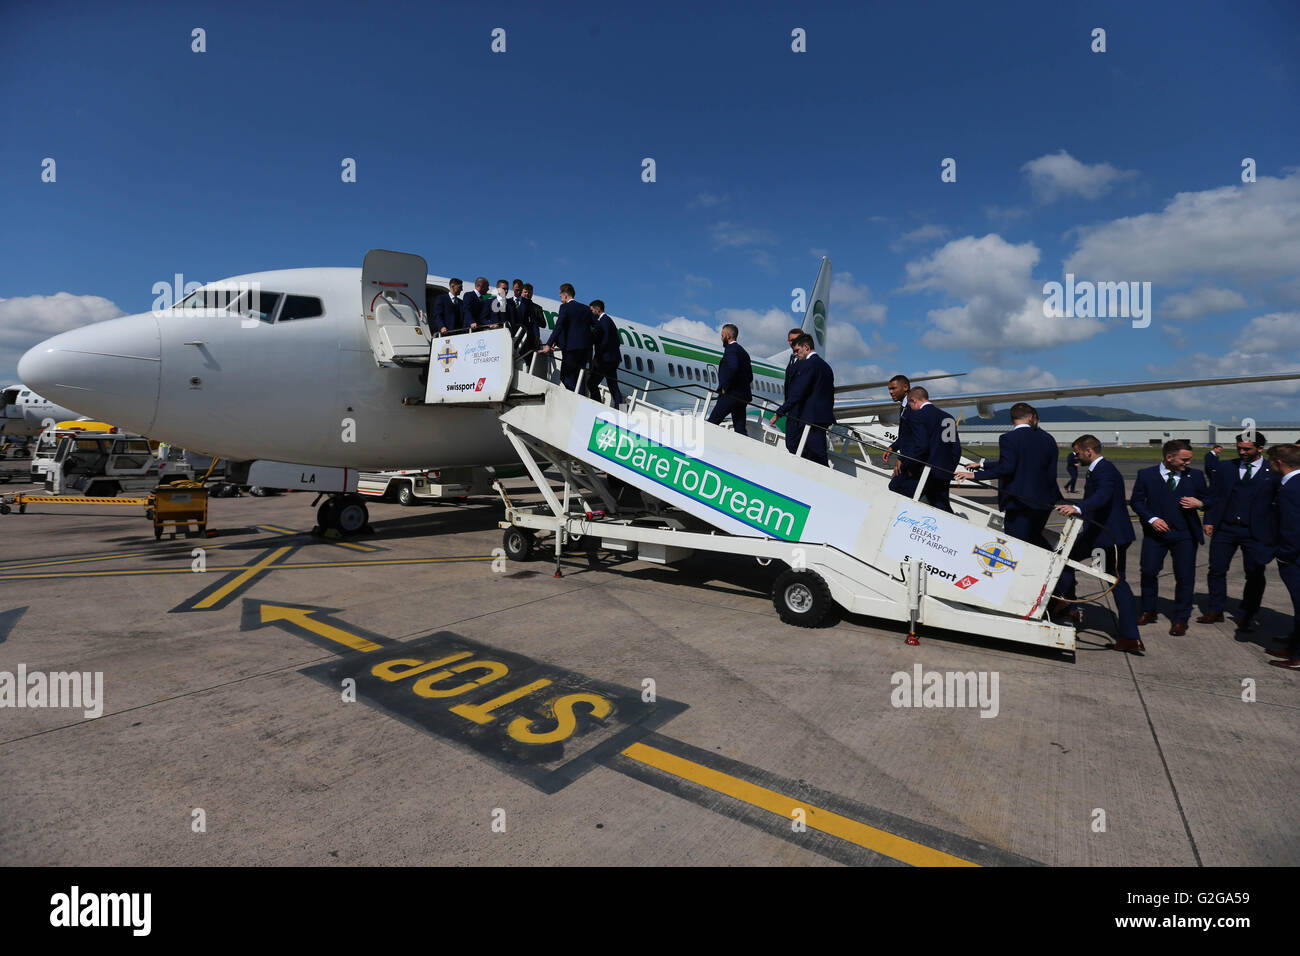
(1151, 455)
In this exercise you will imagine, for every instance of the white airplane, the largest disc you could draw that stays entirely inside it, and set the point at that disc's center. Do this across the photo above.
(301, 378)
(24, 414)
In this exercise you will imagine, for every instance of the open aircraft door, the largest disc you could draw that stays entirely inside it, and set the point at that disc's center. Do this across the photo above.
(392, 306)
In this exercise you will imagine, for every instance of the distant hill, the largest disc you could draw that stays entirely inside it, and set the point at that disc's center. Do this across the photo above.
(1071, 413)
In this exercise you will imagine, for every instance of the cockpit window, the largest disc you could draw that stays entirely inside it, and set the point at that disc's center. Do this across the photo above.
(300, 307)
(209, 298)
(258, 304)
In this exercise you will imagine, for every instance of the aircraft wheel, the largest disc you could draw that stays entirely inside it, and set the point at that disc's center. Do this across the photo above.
(327, 515)
(518, 544)
(406, 496)
(157, 534)
(4, 509)
(353, 515)
(801, 598)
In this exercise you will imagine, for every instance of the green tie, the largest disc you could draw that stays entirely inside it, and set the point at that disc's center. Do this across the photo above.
(1173, 481)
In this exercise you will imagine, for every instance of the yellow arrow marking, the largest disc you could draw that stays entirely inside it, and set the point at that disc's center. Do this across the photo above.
(303, 618)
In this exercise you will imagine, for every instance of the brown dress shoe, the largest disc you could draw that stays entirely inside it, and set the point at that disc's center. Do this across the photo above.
(1291, 664)
(1147, 617)
(1179, 629)
(1129, 646)
(1212, 617)
(1276, 652)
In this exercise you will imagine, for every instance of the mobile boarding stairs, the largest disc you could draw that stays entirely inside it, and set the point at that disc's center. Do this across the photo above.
(843, 535)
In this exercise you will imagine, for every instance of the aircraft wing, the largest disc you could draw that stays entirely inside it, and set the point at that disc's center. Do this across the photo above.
(985, 401)
(865, 385)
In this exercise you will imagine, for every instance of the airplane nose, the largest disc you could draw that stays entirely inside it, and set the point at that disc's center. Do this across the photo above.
(109, 371)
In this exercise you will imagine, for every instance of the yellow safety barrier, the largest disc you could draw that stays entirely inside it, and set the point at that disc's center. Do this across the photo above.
(22, 501)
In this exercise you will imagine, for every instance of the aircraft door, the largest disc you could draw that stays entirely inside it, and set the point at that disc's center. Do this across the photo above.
(392, 306)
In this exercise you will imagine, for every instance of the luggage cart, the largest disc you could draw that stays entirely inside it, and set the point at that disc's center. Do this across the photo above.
(176, 508)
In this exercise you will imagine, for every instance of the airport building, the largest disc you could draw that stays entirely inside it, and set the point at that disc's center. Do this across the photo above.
(1154, 433)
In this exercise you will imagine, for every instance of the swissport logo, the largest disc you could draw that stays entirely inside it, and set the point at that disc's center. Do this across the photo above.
(466, 386)
(966, 582)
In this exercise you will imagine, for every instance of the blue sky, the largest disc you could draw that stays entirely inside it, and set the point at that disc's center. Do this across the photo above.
(1118, 166)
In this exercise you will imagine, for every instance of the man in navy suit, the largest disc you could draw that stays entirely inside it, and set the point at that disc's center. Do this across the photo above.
(1165, 497)
(1026, 473)
(447, 309)
(496, 308)
(1108, 528)
(735, 381)
(572, 336)
(474, 308)
(1239, 514)
(607, 356)
(898, 387)
(536, 316)
(519, 319)
(1072, 469)
(1285, 461)
(791, 337)
(811, 399)
(930, 439)
(1212, 464)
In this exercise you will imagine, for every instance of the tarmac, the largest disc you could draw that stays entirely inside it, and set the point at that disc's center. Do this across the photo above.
(255, 711)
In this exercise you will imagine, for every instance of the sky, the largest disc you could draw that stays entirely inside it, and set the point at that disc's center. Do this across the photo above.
(951, 158)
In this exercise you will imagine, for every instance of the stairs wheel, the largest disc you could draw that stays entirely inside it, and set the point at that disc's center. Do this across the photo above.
(801, 598)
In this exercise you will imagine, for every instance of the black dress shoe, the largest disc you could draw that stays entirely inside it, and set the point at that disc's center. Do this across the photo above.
(1247, 624)
(1129, 645)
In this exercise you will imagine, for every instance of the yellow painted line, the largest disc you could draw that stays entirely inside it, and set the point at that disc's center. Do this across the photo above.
(105, 557)
(354, 547)
(238, 567)
(239, 580)
(379, 561)
(339, 544)
(895, 847)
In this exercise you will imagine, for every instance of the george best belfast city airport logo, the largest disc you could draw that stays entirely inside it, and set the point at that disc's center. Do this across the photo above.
(752, 504)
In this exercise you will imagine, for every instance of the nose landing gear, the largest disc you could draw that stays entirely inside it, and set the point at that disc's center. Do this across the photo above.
(343, 514)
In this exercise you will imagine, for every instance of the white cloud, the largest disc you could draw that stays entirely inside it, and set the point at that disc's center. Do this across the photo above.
(706, 200)
(1003, 305)
(851, 302)
(728, 235)
(1267, 344)
(929, 233)
(690, 328)
(1005, 213)
(28, 320)
(1249, 233)
(1274, 335)
(1058, 175)
(1199, 302)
